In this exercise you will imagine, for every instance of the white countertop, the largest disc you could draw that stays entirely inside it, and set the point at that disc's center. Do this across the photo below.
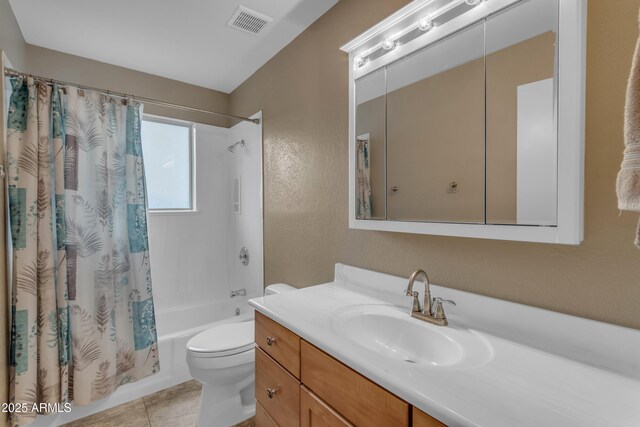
(592, 378)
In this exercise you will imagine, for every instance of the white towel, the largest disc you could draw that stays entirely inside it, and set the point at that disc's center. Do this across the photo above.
(628, 185)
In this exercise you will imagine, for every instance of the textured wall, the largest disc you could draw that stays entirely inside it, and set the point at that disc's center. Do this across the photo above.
(79, 70)
(303, 93)
(11, 40)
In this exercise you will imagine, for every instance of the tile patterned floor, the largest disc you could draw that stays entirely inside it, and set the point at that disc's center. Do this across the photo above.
(174, 407)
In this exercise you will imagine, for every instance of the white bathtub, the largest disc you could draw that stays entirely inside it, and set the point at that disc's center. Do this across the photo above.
(175, 328)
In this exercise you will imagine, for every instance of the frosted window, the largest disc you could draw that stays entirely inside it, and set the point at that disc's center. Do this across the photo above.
(167, 161)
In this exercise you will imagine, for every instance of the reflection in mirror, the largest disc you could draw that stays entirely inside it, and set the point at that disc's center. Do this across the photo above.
(521, 114)
(363, 178)
(435, 131)
(370, 146)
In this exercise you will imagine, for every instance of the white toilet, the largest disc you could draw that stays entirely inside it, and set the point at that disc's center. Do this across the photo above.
(222, 359)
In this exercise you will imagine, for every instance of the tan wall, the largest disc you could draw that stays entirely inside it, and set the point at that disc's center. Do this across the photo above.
(79, 70)
(303, 92)
(11, 40)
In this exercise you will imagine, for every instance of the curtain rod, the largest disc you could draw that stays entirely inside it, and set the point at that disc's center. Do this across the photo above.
(9, 72)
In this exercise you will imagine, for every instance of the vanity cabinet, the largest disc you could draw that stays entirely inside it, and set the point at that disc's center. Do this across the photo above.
(298, 384)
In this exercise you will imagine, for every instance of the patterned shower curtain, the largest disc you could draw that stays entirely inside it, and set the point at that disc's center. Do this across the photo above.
(82, 309)
(363, 194)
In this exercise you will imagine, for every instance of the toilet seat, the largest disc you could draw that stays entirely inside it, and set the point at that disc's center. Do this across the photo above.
(223, 340)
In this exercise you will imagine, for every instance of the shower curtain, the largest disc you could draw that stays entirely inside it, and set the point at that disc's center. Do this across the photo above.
(363, 202)
(82, 310)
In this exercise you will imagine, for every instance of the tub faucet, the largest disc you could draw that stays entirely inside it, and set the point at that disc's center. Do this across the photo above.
(433, 311)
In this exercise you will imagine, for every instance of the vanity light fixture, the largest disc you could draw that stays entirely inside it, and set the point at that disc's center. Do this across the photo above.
(425, 25)
(388, 44)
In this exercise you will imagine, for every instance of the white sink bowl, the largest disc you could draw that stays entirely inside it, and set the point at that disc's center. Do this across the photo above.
(395, 335)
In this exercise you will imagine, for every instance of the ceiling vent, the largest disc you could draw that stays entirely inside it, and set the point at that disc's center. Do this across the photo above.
(248, 20)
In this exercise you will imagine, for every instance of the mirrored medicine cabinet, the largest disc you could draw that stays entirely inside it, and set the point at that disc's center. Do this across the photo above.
(467, 118)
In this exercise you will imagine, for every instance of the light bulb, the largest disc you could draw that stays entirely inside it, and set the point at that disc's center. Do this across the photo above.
(426, 24)
(388, 44)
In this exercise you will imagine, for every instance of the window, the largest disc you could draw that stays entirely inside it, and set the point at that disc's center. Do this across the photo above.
(168, 158)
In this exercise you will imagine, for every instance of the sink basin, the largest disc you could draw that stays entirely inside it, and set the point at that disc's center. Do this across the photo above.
(394, 334)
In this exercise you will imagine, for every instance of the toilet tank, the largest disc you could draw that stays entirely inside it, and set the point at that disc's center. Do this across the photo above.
(278, 288)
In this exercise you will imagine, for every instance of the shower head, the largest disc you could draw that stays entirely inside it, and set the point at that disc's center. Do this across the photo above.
(232, 148)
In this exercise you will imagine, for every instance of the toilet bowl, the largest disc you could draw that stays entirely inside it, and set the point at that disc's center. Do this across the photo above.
(222, 359)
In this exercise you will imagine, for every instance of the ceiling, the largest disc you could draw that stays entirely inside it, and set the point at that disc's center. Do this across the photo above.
(186, 40)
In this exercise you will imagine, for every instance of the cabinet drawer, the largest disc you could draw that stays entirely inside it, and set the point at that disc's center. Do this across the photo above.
(358, 399)
(420, 419)
(314, 412)
(263, 419)
(277, 391)
(279, 343)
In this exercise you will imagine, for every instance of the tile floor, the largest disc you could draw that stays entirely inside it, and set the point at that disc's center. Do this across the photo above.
(174, 407)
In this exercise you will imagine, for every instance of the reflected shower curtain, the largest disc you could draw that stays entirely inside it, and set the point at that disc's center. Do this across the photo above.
(82, 309)
(363, 195)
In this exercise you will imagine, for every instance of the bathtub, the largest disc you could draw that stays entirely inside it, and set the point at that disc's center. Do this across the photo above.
(175, 327)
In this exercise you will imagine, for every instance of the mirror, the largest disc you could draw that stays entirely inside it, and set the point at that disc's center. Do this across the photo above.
(464, 130)
(435, 165)
(371, 146)
(521, 110)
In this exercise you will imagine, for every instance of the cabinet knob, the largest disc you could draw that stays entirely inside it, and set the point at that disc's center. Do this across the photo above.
(271, 392)
(271, 341)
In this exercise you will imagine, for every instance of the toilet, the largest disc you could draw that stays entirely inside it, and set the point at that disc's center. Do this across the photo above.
(222, 359)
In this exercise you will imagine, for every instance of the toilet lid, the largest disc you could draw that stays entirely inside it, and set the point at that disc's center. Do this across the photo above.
(223, 340)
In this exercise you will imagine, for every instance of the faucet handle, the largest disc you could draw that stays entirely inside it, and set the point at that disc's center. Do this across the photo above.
(438, 309)
(442, 300)
(415, 307)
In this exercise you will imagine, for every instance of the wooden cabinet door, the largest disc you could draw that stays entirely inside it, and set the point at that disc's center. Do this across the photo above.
(263, 419)
(355, 397)
(277, 391)
(316, 413)
(420, 419)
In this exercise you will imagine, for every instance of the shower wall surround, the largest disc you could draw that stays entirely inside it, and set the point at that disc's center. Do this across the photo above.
(195, 254)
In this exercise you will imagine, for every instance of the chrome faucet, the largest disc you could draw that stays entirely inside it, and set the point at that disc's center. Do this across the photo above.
(433, 311)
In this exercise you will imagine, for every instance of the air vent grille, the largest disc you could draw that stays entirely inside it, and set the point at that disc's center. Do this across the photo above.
(248, 20)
